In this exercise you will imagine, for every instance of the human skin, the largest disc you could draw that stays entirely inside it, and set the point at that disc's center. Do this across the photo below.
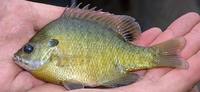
(19, 19)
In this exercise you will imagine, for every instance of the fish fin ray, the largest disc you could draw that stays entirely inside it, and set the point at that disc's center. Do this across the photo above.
(72, 86)
(129, 29)
(93, 9)
(78, 5)
(122, 80)
(122, 24)
(73, 5)
(169, 53)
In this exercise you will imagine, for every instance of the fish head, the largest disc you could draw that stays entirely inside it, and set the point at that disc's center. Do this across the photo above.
(35, 54)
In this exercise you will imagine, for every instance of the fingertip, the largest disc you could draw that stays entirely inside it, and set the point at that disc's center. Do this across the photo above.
(154, 29)
(184, 24)
(192, 14)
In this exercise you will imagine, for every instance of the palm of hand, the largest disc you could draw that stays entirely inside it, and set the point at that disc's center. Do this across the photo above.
(20, 19)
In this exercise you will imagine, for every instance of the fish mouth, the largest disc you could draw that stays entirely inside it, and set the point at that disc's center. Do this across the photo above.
(28, 64)
(16, 58)
(20, 62)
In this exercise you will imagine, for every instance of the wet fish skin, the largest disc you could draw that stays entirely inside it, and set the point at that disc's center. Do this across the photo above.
(90, 48)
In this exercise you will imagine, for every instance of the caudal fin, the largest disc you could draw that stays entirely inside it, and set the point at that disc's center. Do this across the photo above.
(169, 53)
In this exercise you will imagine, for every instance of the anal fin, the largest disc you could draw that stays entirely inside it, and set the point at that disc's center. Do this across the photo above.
(72, 86)
(123, 80)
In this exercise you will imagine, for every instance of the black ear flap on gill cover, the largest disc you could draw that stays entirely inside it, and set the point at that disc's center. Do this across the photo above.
(53, 43)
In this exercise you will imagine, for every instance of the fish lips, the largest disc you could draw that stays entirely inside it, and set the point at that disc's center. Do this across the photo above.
(22, 63)
(29, 65)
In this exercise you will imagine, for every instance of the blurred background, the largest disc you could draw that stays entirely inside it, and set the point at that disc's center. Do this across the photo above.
(149, 13)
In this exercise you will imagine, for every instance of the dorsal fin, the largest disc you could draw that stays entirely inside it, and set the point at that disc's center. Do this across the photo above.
(124, 25)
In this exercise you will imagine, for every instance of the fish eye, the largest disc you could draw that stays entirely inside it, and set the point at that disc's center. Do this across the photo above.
(28, 48)
(53, 42)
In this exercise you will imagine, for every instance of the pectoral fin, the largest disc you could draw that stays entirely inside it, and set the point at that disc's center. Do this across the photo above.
(122, 80)
(72, 86)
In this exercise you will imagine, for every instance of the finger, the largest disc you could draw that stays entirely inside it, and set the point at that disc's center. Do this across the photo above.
(8, 73)
(175, 29)
(192, 46)
(43, 14)
(48, 87)
(148, 37)
(24, 81)
(179, 27)
(188, 78)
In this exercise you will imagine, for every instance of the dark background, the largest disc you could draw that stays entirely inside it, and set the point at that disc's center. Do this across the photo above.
(149, 13)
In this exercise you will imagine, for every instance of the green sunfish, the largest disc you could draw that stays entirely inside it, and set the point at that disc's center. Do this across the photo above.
(89, 48)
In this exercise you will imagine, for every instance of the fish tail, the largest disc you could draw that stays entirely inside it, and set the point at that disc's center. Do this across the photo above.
(169, 53)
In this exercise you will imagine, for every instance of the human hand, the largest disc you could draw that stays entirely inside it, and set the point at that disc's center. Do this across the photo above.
(19, 19)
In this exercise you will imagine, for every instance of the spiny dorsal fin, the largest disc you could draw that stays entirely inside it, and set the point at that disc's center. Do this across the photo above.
(125, 25)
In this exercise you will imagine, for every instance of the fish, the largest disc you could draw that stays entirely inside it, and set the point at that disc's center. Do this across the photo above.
(88, 48)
